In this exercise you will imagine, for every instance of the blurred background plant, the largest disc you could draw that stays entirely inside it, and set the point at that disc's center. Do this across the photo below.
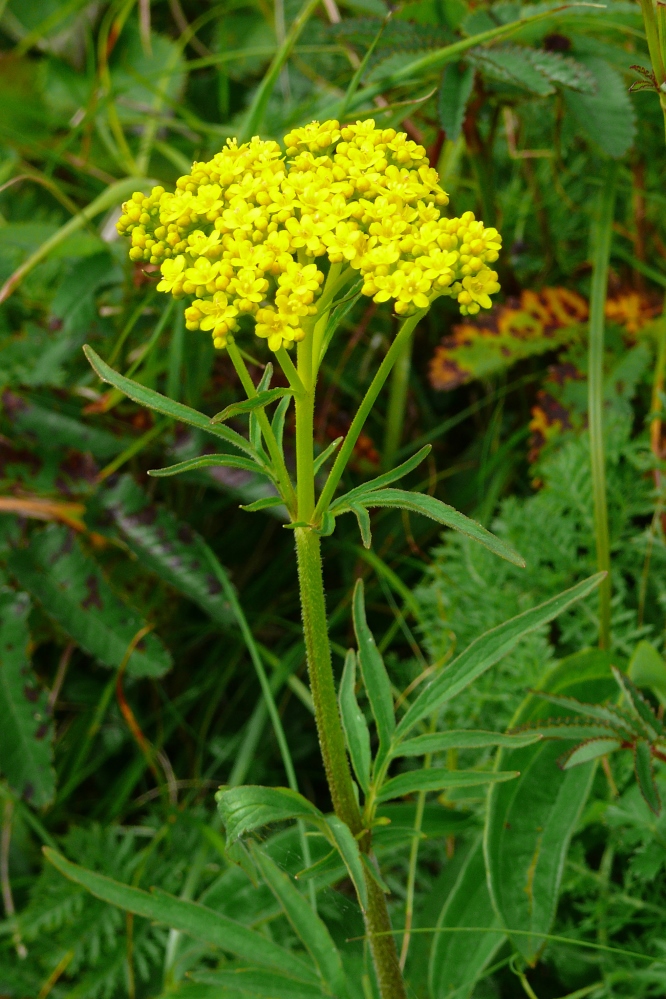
(129, 686)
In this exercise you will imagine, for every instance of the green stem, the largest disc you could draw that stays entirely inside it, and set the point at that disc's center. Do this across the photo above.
(277, 458)
(395, 414)
(320, 671)
(362, 413)
(602, 246)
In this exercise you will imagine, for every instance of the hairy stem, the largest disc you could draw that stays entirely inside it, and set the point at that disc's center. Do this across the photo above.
(602, 245)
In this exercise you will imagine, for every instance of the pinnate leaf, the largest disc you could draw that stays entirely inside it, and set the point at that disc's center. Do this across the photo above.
(645, 775)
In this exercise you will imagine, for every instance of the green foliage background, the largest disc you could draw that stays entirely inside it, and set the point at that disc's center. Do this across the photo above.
(94, 93)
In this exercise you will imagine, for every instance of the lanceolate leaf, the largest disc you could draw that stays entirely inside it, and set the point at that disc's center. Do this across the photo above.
(645, 776)
(488, 649)
(257, 401)
(608, 714)
(202, 924)
(161, 404)
(439, 742)
(375, 677)
(208, 461)
(71, 588)
(246, 808)
(530, 822)
(570, 729)
(639, 704)
(26, 732)
(305, 923)
(347, 846)
(591, 749)
(436, 779)
(354, 724)
(457, 959)
(442, 513)
(384, 480)
(167, 546)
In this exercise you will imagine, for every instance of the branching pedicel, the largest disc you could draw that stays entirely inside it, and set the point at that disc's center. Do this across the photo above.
(244, 233)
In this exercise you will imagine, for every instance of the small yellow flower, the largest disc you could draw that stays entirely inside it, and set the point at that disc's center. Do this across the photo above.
(218, 312)
(172, 273)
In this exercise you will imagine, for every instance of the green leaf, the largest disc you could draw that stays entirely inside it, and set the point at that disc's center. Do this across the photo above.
(440, 512)
(321, 459)
(277, 423)
(363, 519)
(209, 461)
(307, 925)
(72, 589)
(246, 808)
(354, 724)
(265, 503)
(512, 64)
(161, 404)
(645, 776)
(564, 70)
(529, 823)
(648, 669)
(255, 982)
(383, 480)
(202, 924)
(169, 547)
(439, 742)
(438, 778)
(591, 749)
(55, 429)
(457, 959)
(346, 844)
(570, 729)
(339, 313)
(640, 706)
(258, 401)
(488, 649)
(609, 714)
(26, 733)
(375, 677)
(454, 91)
(606, 117)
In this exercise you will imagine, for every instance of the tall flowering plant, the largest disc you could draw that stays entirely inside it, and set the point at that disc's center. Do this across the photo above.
(282, 244)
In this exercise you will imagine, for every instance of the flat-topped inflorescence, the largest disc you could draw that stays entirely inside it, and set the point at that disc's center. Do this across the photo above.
(254, 232)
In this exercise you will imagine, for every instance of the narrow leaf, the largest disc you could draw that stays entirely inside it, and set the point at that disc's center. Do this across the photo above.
(202, 924)
(363, 519)
(209, 461)
(384, 480)
(442, 513)
(570, 729)
(306, 924)
(347, 846)
(436, 779)
(591, 749)
(321, 459)
(529, 823)
(488, 649)
(458, 959)
(645, 776)
(354, 724)
(439, 742)
(609, 714)
(161, 404)
(258, 401)
(26, 733)
(641, 707)
(375, 677)
(246, 808)
(252, 982)
(72, 589)
(277, 423)
(265, 503)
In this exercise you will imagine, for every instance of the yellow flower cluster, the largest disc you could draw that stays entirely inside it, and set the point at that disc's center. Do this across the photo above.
(251, 231)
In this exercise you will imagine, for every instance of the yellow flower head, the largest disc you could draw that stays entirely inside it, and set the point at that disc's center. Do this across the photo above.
(256, 233)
